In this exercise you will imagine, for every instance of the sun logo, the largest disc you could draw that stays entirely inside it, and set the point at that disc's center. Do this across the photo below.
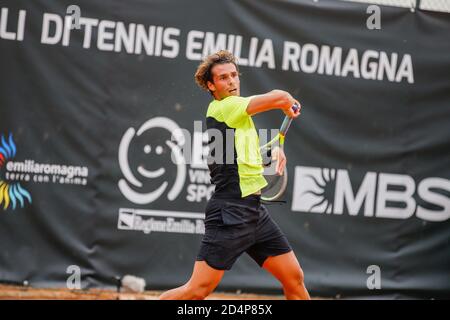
(326, 184)
(11, 194)
(314, 189)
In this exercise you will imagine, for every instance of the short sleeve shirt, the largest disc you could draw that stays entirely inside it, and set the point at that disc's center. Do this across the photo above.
(234, 161)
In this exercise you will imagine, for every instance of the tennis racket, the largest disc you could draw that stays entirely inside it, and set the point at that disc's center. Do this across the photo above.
(276, 183)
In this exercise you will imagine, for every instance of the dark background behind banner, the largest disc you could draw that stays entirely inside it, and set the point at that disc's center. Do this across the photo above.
(71, 105)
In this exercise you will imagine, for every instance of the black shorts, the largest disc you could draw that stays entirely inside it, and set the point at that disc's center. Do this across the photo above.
(235, 226)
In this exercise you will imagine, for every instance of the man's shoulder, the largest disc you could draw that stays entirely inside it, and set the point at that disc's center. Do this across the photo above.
(229, 107)
(231, 101)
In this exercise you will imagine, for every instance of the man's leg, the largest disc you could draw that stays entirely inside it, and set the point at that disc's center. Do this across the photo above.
(287, 270)
(203, 281)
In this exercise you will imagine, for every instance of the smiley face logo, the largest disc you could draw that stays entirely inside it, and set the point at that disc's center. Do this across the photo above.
(155, 150)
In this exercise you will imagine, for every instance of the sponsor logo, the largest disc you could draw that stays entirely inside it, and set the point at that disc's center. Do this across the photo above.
(379, 195)
(13, 172)
(161, 221)
(157, 169)
(11, 194)
(128, 185)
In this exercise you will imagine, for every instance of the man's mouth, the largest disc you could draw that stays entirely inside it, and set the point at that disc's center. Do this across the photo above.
(232, 91)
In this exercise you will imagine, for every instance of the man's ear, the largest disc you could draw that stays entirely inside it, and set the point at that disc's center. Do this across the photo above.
(211, 86)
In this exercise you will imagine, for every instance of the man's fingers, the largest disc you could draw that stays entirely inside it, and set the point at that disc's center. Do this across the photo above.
(290, 113)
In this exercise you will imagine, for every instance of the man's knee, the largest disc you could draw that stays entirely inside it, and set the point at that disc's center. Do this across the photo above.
(294, 280)
(200, 291)
(300, 276)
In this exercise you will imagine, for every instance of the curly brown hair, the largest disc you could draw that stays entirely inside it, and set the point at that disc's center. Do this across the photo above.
(203, 73)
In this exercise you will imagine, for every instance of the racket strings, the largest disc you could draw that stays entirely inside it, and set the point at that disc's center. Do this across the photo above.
(269, 144)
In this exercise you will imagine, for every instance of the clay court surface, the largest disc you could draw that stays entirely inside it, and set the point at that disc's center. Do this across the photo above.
(8, 292)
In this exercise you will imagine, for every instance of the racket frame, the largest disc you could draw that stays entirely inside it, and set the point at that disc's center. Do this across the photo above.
(280, 137)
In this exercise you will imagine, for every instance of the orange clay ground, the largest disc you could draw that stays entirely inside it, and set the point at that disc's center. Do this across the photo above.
(28, 293)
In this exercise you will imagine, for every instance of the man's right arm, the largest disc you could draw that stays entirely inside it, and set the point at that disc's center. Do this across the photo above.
(275, 99)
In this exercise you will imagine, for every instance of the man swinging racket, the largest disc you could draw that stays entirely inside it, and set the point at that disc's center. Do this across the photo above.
(235, 219)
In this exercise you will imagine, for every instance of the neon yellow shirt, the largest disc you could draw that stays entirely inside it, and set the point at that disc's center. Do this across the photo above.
(241, 175)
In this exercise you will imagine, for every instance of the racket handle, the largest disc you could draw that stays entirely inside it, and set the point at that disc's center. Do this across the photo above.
(295, 107)
(287, 121)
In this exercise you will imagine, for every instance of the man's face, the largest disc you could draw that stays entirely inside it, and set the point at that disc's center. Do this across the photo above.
(225, 81)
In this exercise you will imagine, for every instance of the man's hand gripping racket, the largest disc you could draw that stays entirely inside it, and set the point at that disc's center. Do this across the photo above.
(277, 179)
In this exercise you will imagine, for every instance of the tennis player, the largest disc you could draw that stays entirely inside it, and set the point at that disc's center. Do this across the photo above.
(235, 219)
